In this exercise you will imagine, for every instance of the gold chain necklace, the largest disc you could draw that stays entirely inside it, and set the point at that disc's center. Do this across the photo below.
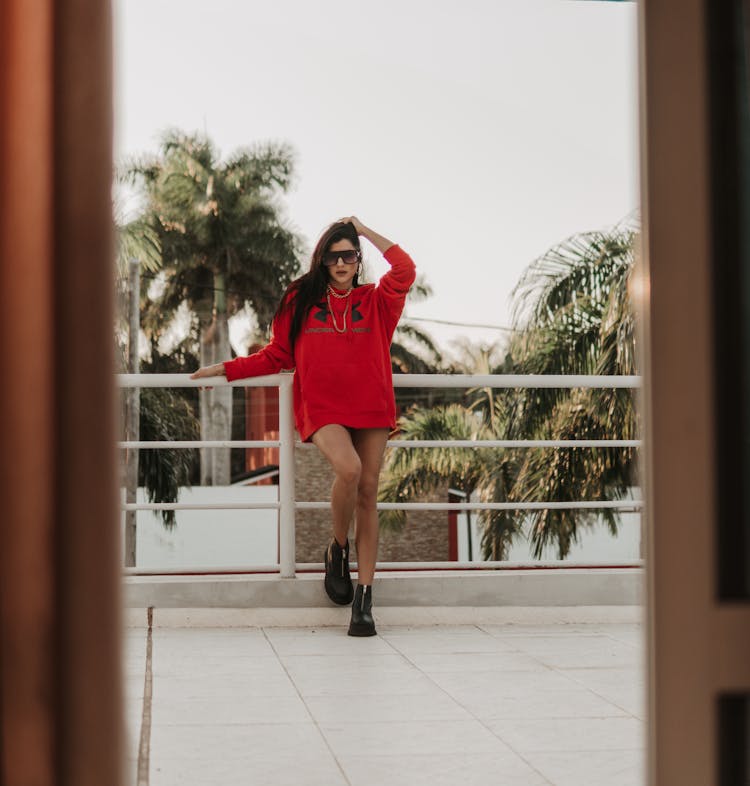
(333, 292)
(330, 308)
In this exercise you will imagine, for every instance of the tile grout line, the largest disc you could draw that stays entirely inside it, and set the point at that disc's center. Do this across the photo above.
(144, 747)
(309, 711)
(477, 718)
(596, 693)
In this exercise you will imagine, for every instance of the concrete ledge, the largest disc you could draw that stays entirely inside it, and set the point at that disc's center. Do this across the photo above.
(486, 589)
(410, 616)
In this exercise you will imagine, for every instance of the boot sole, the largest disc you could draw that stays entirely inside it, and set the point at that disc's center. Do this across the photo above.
(355, 630)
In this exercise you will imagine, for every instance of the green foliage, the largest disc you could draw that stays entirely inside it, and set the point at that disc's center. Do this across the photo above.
(224, 245)
(420, 472)
(166, 416)
(425, 356)
(573, 316)
(137, 240)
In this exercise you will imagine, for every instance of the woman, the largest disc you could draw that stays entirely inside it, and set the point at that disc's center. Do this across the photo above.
(336, 334)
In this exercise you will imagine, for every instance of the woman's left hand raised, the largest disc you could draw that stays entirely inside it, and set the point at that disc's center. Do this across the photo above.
(356, 223)
(381, 243)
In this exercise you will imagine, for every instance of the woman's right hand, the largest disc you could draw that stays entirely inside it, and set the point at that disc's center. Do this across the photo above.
(217, 370)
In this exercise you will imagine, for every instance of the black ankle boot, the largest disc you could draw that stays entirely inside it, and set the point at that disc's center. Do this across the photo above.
(362, 623)
(338, 581)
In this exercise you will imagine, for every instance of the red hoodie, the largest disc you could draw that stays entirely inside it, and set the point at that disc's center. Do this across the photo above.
(342, 378)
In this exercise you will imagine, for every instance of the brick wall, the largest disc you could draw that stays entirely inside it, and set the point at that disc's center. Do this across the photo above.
(424, 537)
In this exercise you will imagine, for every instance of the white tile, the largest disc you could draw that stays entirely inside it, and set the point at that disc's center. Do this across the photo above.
(241, 642)
(247, 771)
(134, 619)
(134, 657)
(398, 708)
(515, 694)
(214, 742)
(133, 710)
(133, 686)
(631, 700)
(634, 638)
(134, 670)
(602, 679)
(441, 642)
(500, 683)
(622, 687)
(570, 734)
(614, 768)
(377, 707)
(354, 683)
(134, 643)
(324, 641)
(329, 666)
(432, 630)
(475, 661)
(237, 686)
(564, 630)
(189, 665)
(577, 652)
(579, 703)
(404, 738)
(475, 769)
(231, 710)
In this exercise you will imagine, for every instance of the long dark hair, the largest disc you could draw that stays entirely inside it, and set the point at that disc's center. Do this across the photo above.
(309, 289)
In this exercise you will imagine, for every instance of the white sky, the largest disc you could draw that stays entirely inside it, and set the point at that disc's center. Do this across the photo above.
(475, 134)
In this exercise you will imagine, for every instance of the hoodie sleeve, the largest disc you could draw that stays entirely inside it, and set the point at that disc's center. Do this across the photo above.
(394, 286)
(274, 357)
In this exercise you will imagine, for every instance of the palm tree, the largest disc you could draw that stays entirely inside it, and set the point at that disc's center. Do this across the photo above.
(416, 473)
(573, 316)
(137, 248)
(224, 248)
(137, 241)
(409, 341)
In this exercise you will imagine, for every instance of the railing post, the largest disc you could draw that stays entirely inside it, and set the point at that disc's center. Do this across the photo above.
(287, 558)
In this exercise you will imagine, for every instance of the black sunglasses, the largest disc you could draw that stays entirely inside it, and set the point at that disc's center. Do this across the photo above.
(348, 257)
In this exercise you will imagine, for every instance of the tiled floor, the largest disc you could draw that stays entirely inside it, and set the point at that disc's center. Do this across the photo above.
(476, 704)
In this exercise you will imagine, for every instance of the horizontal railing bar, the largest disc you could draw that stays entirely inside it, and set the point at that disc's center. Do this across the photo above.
(629, 505)
(184, 381)
(514, 443)
(488, 565)
(200, 506)
(206, 443)
(632, 506)
(400, 381)
(396, 443)
(210, 571)
(317, 567)
(515, 381)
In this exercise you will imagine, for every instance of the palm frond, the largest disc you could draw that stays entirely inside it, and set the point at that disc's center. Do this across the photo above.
(165, 416)
(138, 240)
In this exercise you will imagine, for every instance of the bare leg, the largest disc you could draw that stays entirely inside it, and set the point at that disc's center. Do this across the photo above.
(335, 443)
(370, 446)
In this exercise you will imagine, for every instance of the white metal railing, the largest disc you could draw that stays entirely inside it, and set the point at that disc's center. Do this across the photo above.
(287, 505)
